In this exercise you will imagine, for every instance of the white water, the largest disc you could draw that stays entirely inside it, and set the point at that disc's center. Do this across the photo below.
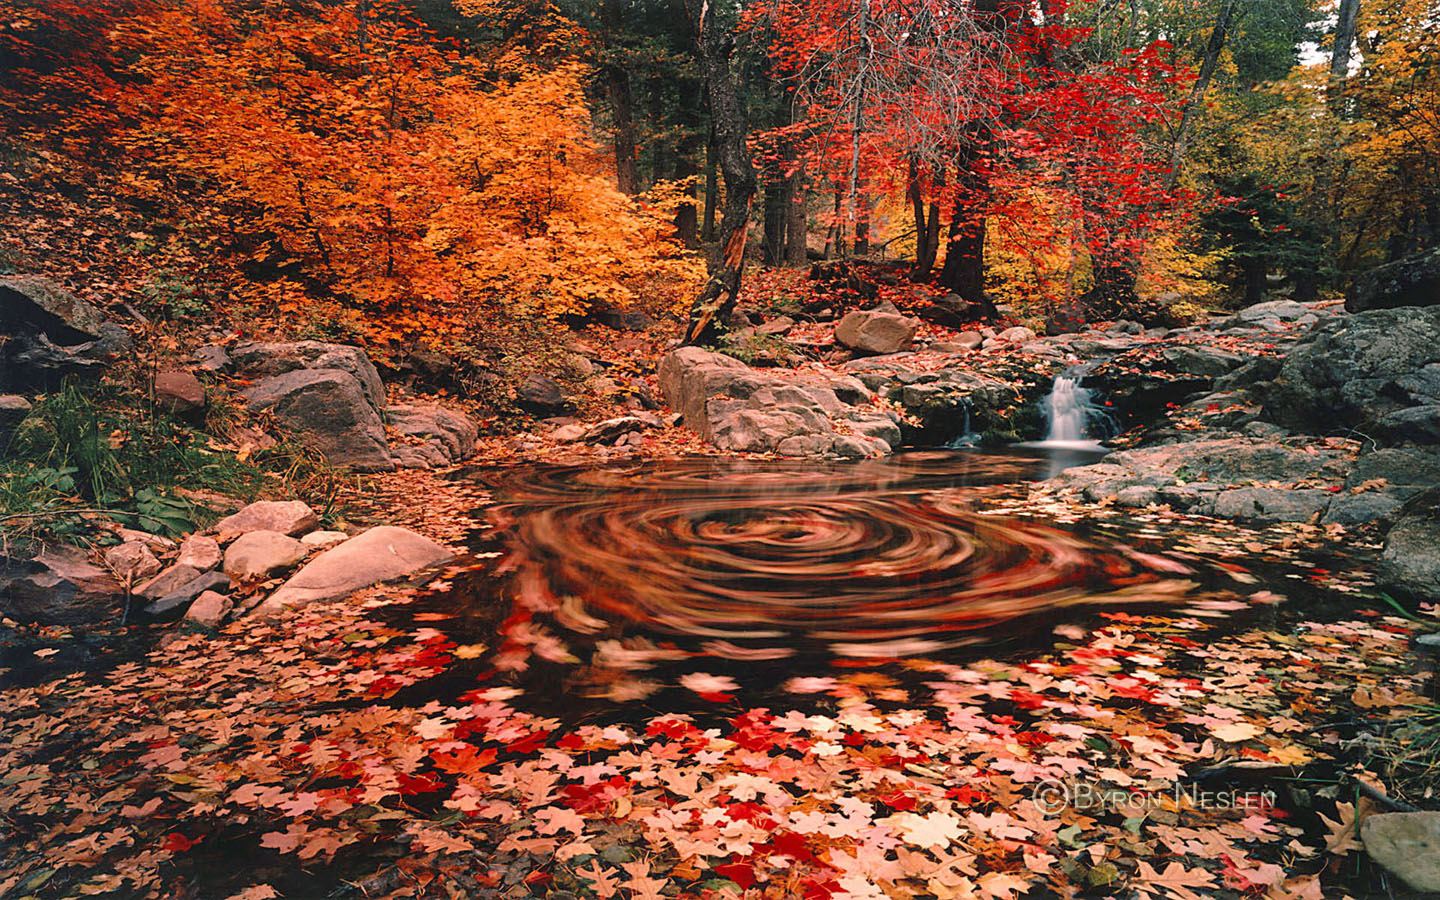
(1072, 412)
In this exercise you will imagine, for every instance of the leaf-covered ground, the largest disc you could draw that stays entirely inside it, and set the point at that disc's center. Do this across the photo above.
(362, 748)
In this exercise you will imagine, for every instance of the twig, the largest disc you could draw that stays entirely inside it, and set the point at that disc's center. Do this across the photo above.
(54, 512)
(1385, 799)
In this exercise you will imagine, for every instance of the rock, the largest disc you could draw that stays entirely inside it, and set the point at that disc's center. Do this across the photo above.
(290, 517)
(805, 445)
(690, 376)
(258, 555)
(541, 395)
(156, 542)
(324, 540)
(1283, 310)
(1381, 482)
(179, 392)
(212, 358)
(1272, 504)
(179, 600)
(1017, 335)
(200, 552)
(1375, 371)
(1410, 562)
(569, 434)
(58, 587)
(328, 409)
(952, 311)
(13, 410)
(172, 579)
(209, 609)
(875, 332)
(1407, 844)
(275, 359)
(611, 430)
(1200, 360)
(49, 333)
(381, 554)
(448, 436)
(1407, 282)
(132, 561)
(776, 326)
(1139, 495)
(621, 318)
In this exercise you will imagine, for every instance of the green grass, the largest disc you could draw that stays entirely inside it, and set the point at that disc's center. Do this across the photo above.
(105, 448)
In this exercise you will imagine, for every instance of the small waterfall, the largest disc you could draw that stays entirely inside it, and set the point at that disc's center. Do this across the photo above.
(968, 437)
(1076, 419)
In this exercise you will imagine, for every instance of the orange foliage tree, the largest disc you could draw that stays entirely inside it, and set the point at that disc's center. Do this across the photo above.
(433, 196)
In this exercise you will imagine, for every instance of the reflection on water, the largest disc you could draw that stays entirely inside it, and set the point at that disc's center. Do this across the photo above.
(766, 566)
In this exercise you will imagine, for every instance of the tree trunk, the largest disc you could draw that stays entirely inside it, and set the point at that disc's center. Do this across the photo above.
(964, 269)
(927, 233)
(712, 189)
(834, 235)
(796, 224)
(1344, 39)
(687, 227)
(862, 226)
(627, 177)
(1254, 271)
(1213, 47)
(726, 265)
(777, 203)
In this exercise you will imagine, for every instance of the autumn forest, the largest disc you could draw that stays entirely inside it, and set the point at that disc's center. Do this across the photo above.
(719, 449)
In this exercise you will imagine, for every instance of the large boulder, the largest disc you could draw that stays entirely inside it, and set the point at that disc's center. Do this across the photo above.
(1410, 562)
(444, 436)
(329, 410)
(47, 334)
(383, 553)
(254, 360)
(1407, 282)
(875, 332)
(690, 376)
(1377, 372)
(58, 587)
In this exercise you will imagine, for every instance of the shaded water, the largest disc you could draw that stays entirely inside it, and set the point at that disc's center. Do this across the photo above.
(618, 581)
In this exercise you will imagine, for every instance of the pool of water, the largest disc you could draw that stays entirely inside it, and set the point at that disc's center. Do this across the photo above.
(634, 582)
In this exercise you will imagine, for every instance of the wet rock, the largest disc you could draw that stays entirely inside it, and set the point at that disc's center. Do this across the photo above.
(179, 392)
(448, 436)
(58, 587)
(13, 410)
(1407, 844)
(209, 609)
(289, 517)
(258, 555)
(875, 332)
(1139, 495)
(383, 553)
(1407, 282)
(328, 409)
(1283, 310)
(1381, 482)
(200, 552)
(541, 396)
(179, 600)
(1200, 360)
(1377, 372)
(1410, 562)
(132, 561)
(272, 359)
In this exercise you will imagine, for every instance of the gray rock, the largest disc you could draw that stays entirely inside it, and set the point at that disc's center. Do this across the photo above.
(179, 600)
(448, 436)
(852, 447)
(1357, 372)
(1407, 844)
(1410, 562)
(805, 445)
(272, 359)
(50, 334)
(1199, 360)
(131, 561)
(36, 302)
(172, 579)
(290, 517)
(875, 332)
(200, 552)
(541, 395)
(179, 392)
(381, 554)
(212, 358)
(1407, 282)
(258, 555)
(1272, 504)
(1017, 335)
(209, 609)
(1139, 495)
(328, 409)
(58, 587)
(1282, 310)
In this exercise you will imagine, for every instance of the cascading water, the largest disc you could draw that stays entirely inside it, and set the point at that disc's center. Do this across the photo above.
(1076, 419)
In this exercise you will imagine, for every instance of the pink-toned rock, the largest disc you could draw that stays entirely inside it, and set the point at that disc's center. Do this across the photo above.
(132, 561)
(200, 552)
(179, 392)
(209, 609)
(260, 554)
(290, 517)
(381, 554)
